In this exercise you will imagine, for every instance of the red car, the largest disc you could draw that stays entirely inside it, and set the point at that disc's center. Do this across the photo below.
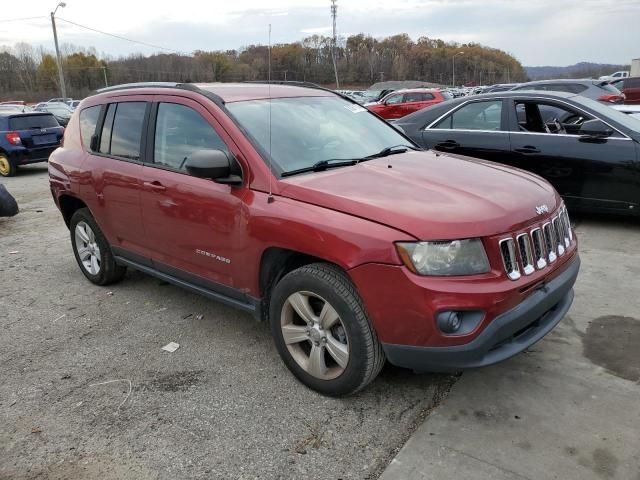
(630, 88)
(403, 102)
(302, 208)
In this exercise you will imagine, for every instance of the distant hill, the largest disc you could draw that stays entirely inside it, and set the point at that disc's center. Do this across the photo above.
(579, 70)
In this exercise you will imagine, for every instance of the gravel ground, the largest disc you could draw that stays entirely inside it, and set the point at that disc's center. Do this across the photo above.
(87, 392)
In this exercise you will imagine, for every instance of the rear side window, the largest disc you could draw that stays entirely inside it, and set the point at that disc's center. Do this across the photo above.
(180, 131)
(88, 120)
(122, 131)
(566, 87)
(29, 122)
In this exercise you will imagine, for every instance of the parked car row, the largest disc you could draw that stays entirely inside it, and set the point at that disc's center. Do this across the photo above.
(587, 150)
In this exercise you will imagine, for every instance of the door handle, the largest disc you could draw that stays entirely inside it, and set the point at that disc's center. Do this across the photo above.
(154, 186)
(528, 149)
(449, 144)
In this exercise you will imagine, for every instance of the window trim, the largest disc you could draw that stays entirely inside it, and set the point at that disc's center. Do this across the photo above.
(503, 122)
(149, 160)
(143, 136)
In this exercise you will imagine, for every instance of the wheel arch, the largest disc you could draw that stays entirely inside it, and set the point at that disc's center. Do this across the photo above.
(68, 206)
(275, 263)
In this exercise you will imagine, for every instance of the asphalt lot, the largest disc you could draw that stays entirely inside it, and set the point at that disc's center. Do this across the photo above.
(222, 406)
(87, 392)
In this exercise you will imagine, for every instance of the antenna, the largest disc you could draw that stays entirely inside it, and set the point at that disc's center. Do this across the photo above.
(270, 197)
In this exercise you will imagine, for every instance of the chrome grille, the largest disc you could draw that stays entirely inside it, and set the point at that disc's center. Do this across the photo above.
(526, 255)
(509, 259)
(538, 247)
(549, 241)
(558, 231)
(539, 250)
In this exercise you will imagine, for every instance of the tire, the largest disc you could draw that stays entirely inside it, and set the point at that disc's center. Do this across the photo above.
(8, 204)
(7, 168)
(333, 321)
(92, 251)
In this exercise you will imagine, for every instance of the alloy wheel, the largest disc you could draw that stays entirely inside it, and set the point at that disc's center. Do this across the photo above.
(87, 248)
(5, 167)
(314, 335)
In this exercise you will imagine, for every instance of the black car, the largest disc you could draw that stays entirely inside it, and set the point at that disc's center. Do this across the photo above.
(588, 151)
(27, 138)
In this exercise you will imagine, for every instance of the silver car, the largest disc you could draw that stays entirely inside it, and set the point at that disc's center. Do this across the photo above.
(600, 90)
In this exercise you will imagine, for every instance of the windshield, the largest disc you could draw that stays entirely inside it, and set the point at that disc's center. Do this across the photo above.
(609, 113)
(308, 130)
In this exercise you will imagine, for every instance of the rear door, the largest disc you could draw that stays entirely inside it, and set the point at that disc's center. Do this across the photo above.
(475, 128)
(592, 174)
(113, 185)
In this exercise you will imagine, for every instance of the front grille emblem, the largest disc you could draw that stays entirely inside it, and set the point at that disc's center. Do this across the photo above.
(541, 209)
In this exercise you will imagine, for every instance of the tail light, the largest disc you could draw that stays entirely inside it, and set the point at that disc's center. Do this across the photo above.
(13, 138)
(611, 98)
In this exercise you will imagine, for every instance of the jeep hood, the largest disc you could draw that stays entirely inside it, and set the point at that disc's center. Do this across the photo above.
(429, 196)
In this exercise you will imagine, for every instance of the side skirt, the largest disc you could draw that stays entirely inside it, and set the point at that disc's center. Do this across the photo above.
(252, 305)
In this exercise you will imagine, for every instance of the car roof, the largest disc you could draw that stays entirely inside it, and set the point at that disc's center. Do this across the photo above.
(564, 80)
(228, 92)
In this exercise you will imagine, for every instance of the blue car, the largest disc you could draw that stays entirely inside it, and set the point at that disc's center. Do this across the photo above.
(27, 138)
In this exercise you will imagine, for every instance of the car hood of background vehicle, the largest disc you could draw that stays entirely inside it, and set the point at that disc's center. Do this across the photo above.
(430, 196)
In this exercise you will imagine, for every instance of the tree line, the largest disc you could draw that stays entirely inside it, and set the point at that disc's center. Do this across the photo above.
(31, 74)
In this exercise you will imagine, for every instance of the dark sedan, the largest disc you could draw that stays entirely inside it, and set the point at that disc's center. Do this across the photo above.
(588, 151)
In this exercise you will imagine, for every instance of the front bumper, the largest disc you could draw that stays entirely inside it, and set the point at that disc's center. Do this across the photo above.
(507, 335)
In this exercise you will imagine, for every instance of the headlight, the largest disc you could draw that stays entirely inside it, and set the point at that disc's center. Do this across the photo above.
(456, 257)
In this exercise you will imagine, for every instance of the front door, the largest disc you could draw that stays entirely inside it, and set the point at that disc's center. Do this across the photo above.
(193, 224)
(590, 173)
(476, 129)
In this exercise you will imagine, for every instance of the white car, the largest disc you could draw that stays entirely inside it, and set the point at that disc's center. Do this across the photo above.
(615, 75)
(631, 110)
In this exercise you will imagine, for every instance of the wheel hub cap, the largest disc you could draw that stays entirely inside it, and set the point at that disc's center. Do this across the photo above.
(308, 324)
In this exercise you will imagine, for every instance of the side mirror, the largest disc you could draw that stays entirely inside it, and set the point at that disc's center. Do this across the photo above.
(213, 164)
(595, 129)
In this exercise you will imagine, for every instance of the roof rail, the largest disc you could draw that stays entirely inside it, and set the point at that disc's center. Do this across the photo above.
(184, 86)
(295, 83)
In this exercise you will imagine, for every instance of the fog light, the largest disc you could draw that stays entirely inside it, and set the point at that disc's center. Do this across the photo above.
(449, 322)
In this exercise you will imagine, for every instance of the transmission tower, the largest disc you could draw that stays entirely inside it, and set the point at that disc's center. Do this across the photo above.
(334, 14)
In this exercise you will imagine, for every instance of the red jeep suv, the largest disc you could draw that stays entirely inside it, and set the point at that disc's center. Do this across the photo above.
(303, 208)
(403, 102)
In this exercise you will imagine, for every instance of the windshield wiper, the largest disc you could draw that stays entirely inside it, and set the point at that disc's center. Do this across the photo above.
(323, 165)
(345, 162)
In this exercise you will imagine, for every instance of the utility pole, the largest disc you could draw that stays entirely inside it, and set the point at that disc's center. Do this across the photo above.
(334, 14)
(104, 72)
(453, 73)
(63, 87)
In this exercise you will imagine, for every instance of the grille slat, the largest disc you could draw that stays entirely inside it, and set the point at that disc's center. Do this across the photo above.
(538, 248)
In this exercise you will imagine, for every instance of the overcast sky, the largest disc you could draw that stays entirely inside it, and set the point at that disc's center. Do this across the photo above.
(537, 32)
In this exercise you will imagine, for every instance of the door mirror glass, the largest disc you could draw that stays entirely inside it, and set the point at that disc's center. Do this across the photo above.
(212, 164)
(595, 128)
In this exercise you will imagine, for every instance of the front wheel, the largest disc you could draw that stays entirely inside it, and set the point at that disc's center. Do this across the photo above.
(321, 330)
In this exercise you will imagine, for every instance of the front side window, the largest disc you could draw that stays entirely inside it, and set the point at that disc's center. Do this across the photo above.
(180, 131)
(122, 130)
(88, 120)
(394, 99)
(475, 116)
(299, 132)
(549, 117)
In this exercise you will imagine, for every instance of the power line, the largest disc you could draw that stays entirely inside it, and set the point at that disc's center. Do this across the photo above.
(119, 36)
(21, 19)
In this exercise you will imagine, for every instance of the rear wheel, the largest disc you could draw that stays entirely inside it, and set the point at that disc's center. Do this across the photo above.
(322, 331)
(7, 169)
(92, 251)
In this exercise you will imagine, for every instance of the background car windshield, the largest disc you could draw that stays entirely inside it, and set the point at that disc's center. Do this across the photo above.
(307, 130)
